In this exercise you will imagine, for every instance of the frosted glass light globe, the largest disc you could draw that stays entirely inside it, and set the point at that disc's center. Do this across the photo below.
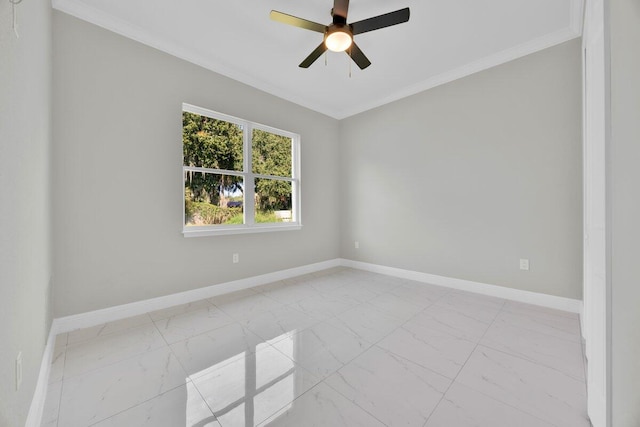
(338, 41)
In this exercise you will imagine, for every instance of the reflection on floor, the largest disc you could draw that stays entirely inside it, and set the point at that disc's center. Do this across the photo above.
(341, 347)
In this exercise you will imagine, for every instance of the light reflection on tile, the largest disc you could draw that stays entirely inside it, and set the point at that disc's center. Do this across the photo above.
(275, 323)
(322, 349)
(388, 347)
(215, 347)
(322, 406)
(255, 386)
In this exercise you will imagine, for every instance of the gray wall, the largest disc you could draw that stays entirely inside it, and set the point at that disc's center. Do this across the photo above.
(465, 179)
(118, 174)
(25, 252)
(625, 210)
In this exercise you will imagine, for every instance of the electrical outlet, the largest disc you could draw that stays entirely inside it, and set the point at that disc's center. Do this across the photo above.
(524, 264)
(18, 371)
(357, 244)
(236, 258)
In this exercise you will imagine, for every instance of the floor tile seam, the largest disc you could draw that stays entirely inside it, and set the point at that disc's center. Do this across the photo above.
(253, 289)
(351, 400)
(128, 357)
(550, 317)
(514, 354)
(583, 380)
(233, 320)
(436, 330)
(62, 346)
(585, 362)
(137, 404)
(394, 354)
(452, 310)
(342, 364)
(126, 409)
(205, 401)
(426, 368)
(275, 411)
(530, 413)
(121, 331)
(479, 306)
(410, 301)
(578, 333)
(209, 331)
(184, 369)
(570, 323)
(226, 313)
(61, 386)
(544, 333)
(178, 305)
(353, 333)
(453, 380)
(540, 309)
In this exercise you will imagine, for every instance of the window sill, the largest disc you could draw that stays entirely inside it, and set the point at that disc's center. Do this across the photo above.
(221, 231)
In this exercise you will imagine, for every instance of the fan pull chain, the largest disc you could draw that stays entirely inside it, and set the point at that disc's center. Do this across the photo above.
(350, 61)
(325, 58)
(14, 12)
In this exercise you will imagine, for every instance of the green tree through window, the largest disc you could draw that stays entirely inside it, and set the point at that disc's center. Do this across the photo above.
(218, 186)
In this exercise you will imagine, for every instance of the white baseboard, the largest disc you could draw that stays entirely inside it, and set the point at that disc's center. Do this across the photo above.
(98, 317)
(34, 418)
(544, 300)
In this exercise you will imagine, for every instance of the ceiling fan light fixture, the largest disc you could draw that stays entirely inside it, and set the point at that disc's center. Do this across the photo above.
(338, 41)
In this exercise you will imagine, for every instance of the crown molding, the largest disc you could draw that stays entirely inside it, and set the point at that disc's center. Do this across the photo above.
(485, 63)
(97, 17)
(104, 20)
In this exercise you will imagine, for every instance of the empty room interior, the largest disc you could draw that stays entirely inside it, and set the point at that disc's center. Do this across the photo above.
(323, 213)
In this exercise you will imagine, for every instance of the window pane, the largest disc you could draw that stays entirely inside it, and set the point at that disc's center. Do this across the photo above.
(273, 201)
(212, 199)
(271, 153)
(211, 143)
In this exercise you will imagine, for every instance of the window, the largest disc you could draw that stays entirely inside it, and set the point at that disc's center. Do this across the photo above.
(239, 176)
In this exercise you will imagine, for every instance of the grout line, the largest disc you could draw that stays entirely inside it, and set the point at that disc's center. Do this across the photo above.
(465, 362)
(137, 404)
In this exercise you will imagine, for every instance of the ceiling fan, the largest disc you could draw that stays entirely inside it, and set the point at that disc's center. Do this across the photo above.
(338, 36)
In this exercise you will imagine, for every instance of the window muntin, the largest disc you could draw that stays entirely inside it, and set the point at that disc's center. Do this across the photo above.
(228, 162)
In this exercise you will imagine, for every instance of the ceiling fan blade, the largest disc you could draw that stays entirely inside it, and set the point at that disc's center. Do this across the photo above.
(381, 21)
(341, 8)
(297, 22)
(358, 56)
(313, 56)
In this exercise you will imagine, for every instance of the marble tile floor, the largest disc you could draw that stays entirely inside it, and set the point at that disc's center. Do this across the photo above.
(340, 347)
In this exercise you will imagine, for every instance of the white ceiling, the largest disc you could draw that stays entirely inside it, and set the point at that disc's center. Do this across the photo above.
(443, 40)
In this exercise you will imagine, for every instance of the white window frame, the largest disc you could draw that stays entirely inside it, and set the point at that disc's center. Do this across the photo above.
(249, 226)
